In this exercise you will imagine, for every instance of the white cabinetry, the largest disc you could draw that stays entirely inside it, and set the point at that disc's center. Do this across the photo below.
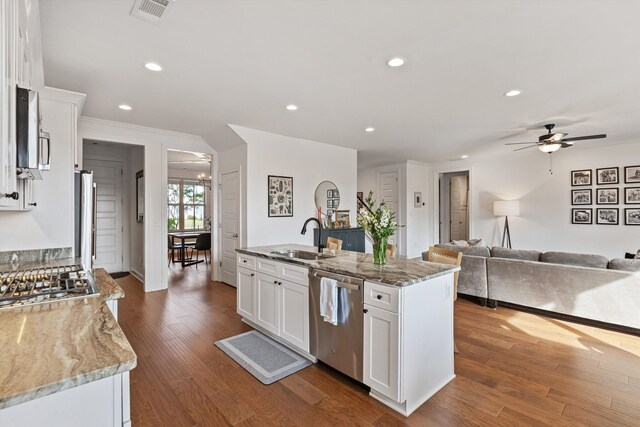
(274, 297)
(408, 341)
(246, 292)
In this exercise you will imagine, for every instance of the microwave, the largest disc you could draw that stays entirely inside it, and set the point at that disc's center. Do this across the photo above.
(33, 146)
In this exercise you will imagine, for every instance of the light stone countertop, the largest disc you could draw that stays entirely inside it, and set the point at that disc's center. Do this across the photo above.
(47, 348)
(397, 272)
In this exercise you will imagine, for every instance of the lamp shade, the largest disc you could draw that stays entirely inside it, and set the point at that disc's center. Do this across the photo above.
(506, 208)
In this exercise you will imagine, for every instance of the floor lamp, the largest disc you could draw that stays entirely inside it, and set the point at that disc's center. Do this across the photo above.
(506, 208)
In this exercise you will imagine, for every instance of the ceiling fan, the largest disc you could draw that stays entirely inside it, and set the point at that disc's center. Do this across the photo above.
(552, 142)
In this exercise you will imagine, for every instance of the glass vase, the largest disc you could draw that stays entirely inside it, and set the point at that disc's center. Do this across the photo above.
(380, 250)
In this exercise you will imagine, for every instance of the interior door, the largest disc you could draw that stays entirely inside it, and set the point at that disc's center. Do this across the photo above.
(107, 175)
(230, 233)
(389, 192)
(459, 207)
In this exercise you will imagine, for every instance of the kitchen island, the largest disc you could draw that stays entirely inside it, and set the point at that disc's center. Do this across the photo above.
(66, 362)
(406, 307)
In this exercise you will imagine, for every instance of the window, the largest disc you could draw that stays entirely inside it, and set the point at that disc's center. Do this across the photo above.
(186, 204)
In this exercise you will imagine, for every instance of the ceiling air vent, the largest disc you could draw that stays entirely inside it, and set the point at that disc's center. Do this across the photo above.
(150, 10)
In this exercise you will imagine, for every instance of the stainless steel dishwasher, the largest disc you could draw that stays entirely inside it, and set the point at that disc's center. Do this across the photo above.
(339, 346)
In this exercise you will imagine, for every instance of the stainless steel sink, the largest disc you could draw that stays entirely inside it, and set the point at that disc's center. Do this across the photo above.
(292, 253)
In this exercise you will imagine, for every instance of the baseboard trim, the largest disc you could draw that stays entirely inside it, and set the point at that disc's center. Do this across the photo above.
(136, 274)
(570, 318)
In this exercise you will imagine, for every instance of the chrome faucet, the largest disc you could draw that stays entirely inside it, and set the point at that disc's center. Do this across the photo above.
(321, 246)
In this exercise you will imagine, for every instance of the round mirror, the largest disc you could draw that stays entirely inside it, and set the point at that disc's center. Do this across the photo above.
(327, 197)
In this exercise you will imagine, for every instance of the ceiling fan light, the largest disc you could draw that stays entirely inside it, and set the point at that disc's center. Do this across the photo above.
(550, 148)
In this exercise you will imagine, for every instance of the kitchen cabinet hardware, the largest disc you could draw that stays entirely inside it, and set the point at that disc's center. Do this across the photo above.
(33, 204)
(15, 195)
(365, 310)
(379, 296)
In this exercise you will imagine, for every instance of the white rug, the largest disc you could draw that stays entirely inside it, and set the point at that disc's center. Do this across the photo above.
(264, 358)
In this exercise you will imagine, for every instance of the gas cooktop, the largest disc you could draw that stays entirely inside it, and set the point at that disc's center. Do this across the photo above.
(46, 284)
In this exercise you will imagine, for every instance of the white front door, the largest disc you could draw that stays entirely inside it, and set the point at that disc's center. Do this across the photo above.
(230, 207)
(389, 192)
(107, 175)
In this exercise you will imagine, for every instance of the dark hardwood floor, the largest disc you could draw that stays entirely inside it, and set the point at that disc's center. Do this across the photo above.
(513, 369)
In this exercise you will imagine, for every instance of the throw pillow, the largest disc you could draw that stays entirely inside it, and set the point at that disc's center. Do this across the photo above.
(477, 242)
(459, 242)
(638, 254)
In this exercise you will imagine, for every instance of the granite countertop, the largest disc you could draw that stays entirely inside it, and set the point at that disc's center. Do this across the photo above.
(56, 346)
(28, 265)
(397, 272)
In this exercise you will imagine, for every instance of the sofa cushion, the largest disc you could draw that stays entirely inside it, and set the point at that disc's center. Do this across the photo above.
(624, 264)
(482, 251)
(570, 258)
(524, 254)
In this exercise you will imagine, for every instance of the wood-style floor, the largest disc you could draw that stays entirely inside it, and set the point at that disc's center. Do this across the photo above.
(513, 369)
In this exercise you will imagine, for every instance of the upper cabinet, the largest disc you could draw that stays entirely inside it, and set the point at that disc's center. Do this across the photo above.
(20, 65)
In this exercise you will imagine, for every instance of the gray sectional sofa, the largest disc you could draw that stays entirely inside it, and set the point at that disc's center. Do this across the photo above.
(578, 285)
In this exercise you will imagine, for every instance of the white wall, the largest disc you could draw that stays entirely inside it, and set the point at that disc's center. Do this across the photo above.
(545, 200)
(156, 142)
(309, 163)
(50, 223)
(417, 218)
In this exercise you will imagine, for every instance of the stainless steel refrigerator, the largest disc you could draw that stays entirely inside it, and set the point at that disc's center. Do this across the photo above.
(85, 218)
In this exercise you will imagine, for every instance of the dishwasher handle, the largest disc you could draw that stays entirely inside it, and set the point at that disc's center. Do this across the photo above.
(346, 282)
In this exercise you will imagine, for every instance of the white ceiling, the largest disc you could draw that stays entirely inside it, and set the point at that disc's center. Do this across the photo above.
(185, 160)
(241, 62)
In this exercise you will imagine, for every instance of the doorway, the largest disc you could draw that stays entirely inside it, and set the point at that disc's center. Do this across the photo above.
(230, 231)
(454, 206)
(389, 192)
(119, 231)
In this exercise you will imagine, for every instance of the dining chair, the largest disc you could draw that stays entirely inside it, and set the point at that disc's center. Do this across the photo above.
(445, 256)
(203, 243)
(172, 247)
(391, 250)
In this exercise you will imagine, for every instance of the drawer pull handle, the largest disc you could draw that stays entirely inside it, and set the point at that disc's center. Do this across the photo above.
(244, 260)
(275, 282)
(279, 283)
(252, 274)
(379, 296)
(365, 311)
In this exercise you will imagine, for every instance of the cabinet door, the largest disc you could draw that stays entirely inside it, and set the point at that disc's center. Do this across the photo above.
(381, 352)
(267, 312)
(246, 293)
(295, 314)
(28, 194)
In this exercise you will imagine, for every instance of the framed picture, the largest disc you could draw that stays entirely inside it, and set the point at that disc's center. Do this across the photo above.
(607, 176)
(581, 216)
(632, 216)
(343, 219)
(581, 197)
(329, 194)
(607, 196)
(632, 175)
(607, 216)
(280, 190)
(581, 177)
(632, 195)
(336, 193)
(417, 199)
(329, 204)
(140, 196)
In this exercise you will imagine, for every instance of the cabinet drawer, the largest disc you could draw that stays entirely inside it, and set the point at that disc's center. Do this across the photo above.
(294, 273)
(246, 261)
(381, 296)
(268, 266)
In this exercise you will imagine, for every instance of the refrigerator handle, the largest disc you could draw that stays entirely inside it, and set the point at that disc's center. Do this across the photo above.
(94, 196)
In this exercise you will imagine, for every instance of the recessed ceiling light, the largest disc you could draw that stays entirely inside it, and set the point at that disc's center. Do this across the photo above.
(369, 129)
(153, 66)
(396, 62)
(125, 107)
(292, 107)
(514, 92)
(464, 156)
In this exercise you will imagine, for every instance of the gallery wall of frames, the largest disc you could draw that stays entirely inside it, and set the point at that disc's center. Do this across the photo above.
(611, 195)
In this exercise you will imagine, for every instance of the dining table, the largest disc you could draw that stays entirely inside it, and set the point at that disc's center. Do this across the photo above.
(183, 236)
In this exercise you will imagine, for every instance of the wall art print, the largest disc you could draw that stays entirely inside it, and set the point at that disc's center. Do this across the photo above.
(632, 216)
(581, 197)
(607, 216)
(607, 176)
(632, 195)
(581, 216)
(607, 196)
(581, 177)
(280, 196)
(632, 174)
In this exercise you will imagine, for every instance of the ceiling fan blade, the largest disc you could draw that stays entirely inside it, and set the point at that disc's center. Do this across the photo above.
(524, 148)
(581, 138)
(520, 143)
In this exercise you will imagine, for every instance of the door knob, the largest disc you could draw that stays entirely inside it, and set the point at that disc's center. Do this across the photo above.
(235, 236)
